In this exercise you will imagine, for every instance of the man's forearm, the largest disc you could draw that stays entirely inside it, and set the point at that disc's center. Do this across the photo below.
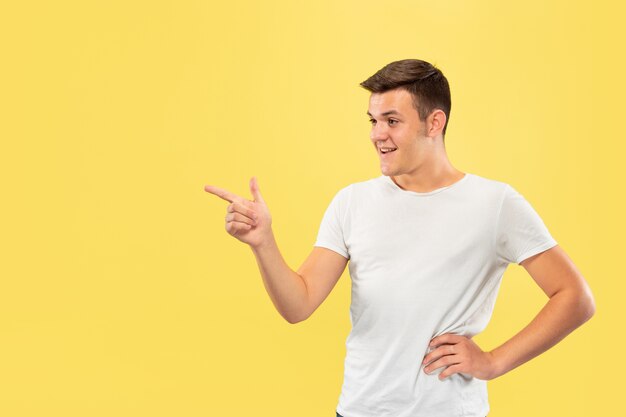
(561, 315)
(285, 287)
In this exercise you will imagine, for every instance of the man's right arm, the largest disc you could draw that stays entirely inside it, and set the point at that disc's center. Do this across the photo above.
(296, 295)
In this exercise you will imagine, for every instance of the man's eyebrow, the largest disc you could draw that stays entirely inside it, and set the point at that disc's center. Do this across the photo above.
(386, 113)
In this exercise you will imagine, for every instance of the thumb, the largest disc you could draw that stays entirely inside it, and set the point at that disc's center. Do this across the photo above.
(254, 189)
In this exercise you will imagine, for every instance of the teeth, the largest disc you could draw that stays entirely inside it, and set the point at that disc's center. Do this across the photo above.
(387, 149)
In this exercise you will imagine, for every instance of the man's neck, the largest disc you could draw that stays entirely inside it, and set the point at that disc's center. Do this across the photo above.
(429, 178)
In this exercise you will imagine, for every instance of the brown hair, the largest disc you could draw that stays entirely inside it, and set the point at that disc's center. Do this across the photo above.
(427, 84)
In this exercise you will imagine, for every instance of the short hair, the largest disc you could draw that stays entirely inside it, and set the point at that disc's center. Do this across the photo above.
(426, 83)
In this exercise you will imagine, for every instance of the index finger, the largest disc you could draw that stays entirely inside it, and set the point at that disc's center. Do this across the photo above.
(221, 193)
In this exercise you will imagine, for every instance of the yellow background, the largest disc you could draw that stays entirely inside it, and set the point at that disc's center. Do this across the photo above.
(123, 295)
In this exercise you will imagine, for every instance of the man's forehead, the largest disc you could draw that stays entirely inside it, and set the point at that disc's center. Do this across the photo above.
(397, 102)
(386, 113)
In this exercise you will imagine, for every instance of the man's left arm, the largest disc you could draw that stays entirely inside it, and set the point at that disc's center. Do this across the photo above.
(570, 305)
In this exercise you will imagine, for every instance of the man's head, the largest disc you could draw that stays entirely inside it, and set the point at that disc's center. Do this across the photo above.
(408, 109)
(427, 85)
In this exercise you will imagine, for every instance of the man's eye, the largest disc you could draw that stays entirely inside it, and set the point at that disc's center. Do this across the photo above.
(372, 121)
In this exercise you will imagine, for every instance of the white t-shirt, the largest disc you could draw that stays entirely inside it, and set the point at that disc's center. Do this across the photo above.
(422, 264)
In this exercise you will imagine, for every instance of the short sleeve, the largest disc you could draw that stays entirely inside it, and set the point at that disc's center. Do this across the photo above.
(331, 234)
(520, 232)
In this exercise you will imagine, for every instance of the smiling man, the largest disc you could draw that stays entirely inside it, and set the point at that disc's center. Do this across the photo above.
(408, 156)
(427, 246)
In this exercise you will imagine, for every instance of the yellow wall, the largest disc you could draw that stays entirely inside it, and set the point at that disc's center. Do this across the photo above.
(121, 294)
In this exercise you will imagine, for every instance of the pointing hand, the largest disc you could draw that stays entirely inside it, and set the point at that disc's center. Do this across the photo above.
(248, 221)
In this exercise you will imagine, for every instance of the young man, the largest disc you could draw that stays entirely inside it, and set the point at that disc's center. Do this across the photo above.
(427, 245)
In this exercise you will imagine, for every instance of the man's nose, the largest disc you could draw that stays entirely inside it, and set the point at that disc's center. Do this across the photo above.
(379, 132)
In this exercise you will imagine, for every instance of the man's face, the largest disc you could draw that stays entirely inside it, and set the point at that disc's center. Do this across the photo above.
(396, 124)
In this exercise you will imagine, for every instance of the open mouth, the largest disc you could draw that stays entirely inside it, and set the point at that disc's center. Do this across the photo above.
(385, 151)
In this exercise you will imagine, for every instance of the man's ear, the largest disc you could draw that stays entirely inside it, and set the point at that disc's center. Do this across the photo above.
(436, 122)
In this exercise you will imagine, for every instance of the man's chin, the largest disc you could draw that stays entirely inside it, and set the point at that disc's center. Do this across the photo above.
(389, 172)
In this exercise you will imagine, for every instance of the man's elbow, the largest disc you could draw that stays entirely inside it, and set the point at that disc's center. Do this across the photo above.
(299, 314)
(580, 303)
(586, 304)
(294, 319)
(589, 305)
(581, 300)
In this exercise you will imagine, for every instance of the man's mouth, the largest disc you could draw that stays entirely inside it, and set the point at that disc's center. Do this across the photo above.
(387, 150)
